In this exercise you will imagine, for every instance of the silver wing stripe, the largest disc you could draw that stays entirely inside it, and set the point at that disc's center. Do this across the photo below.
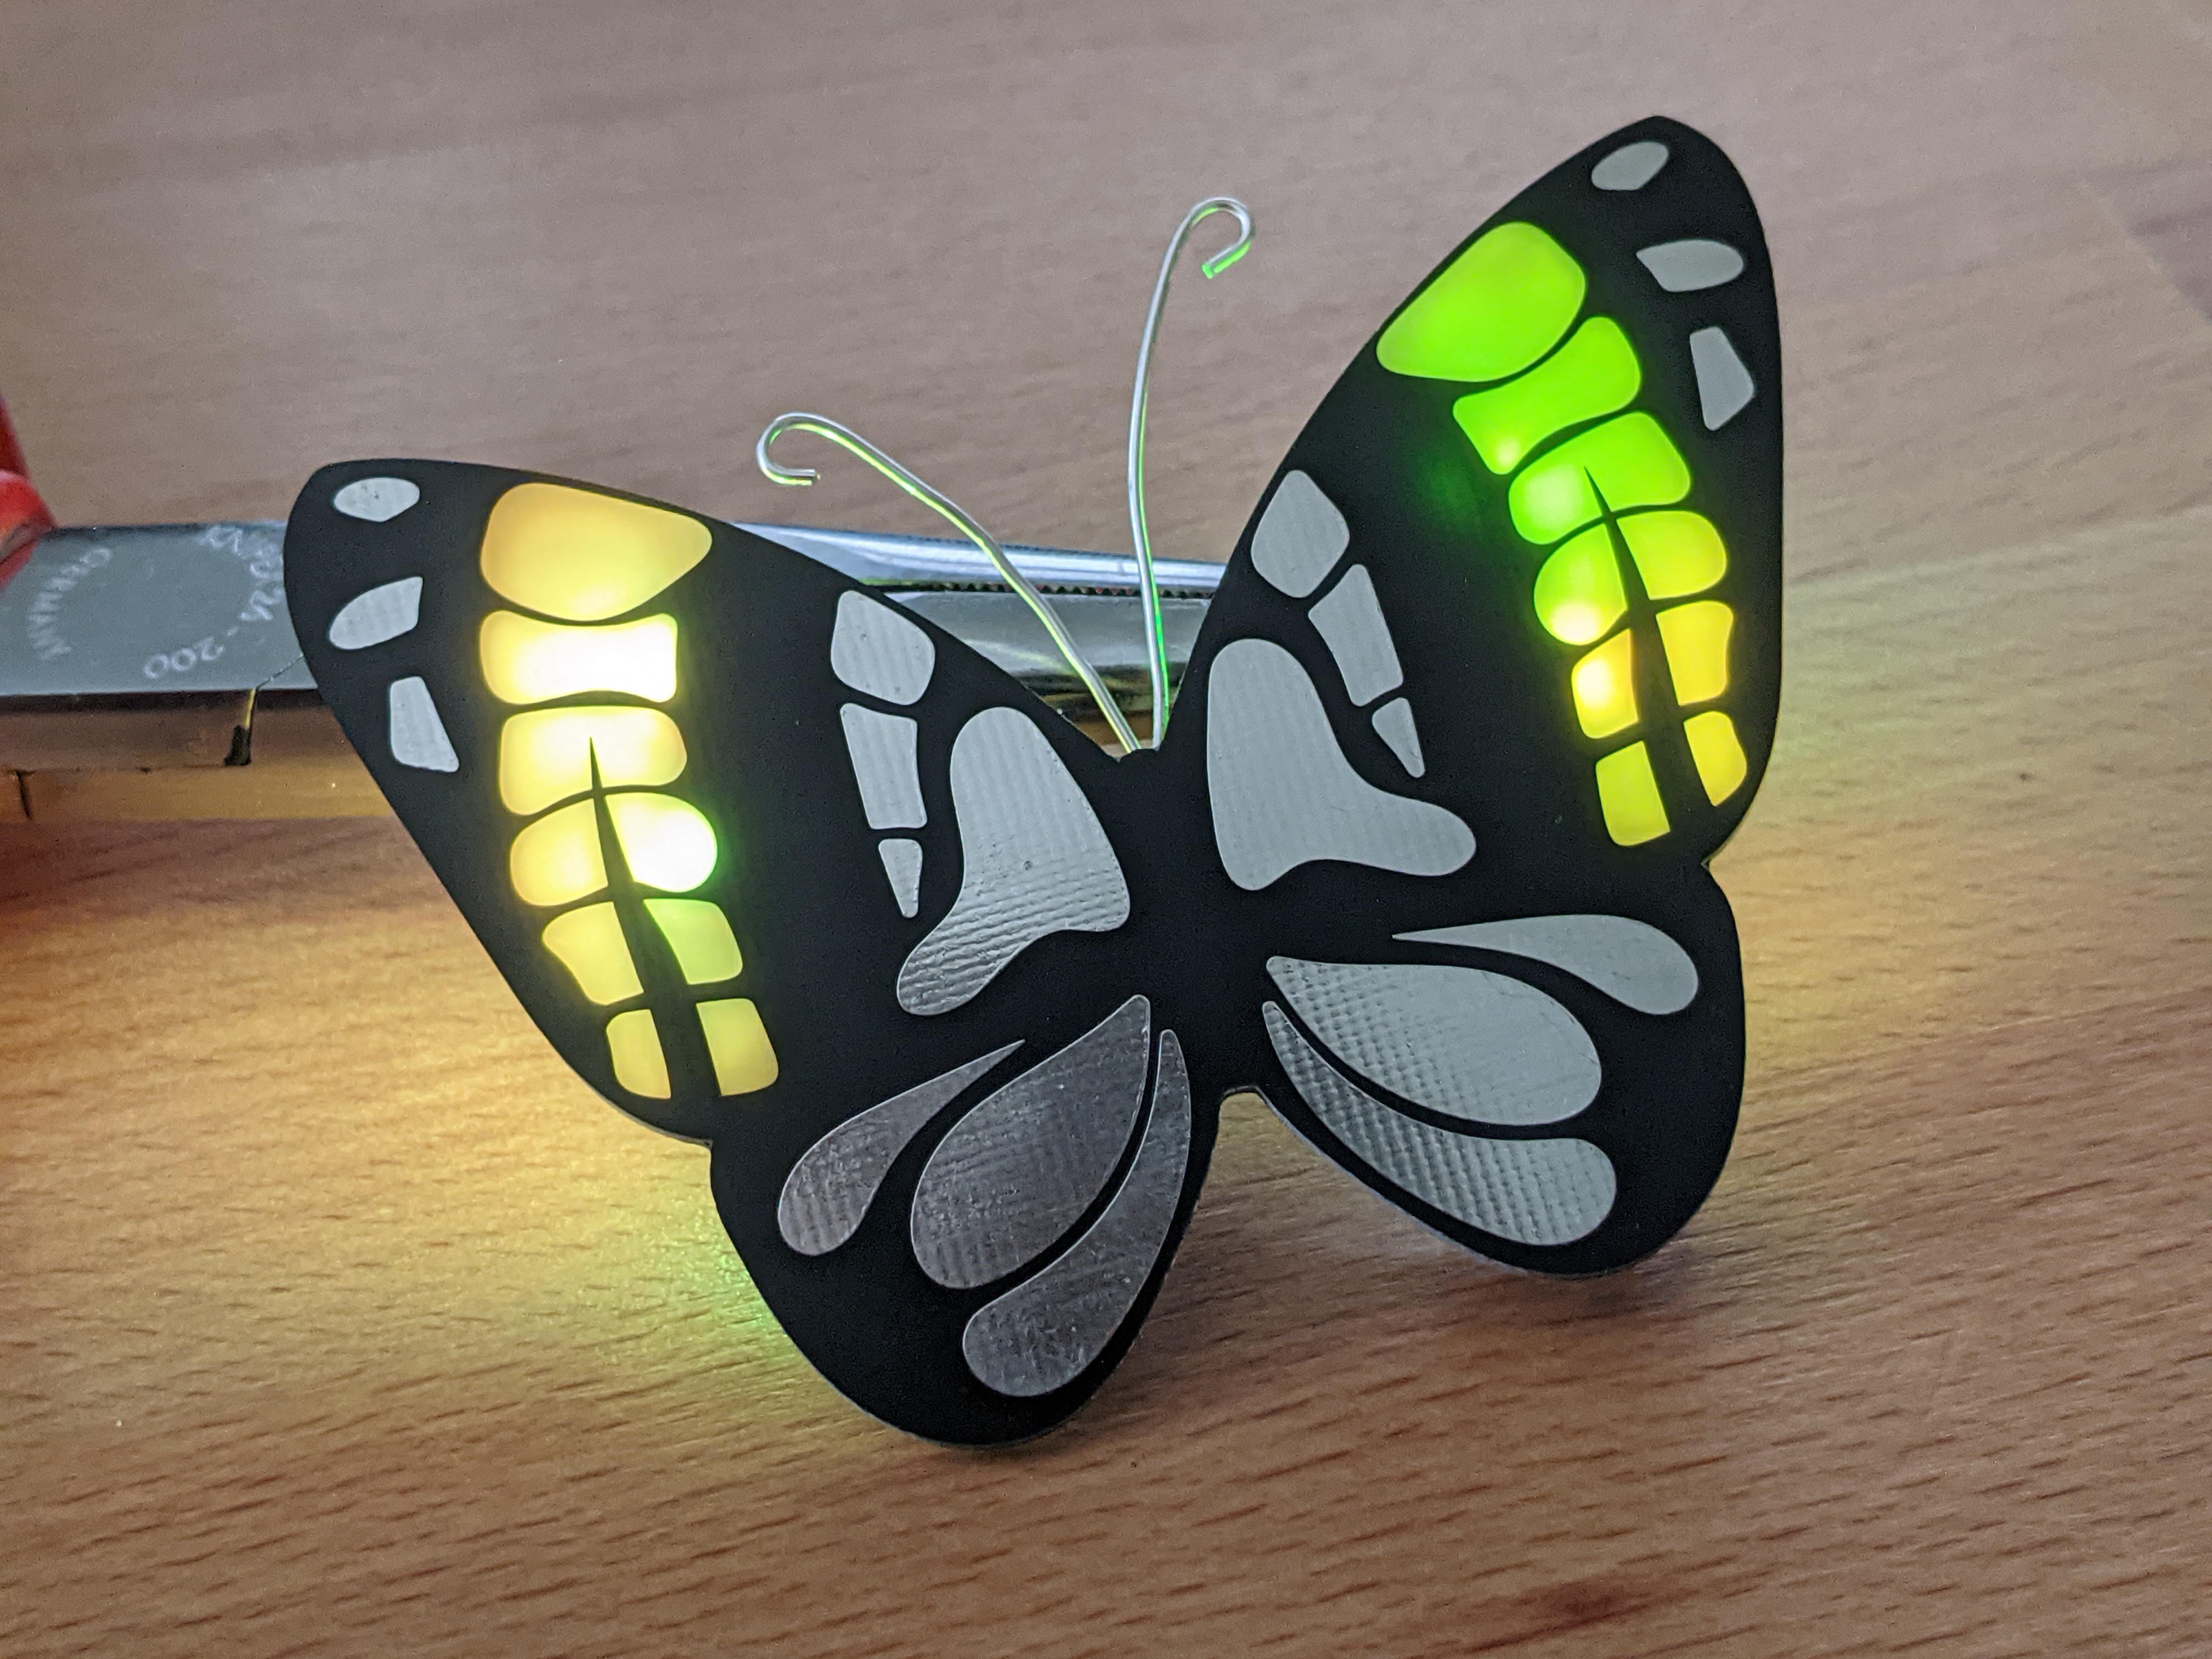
(1299, 538)
(382, 613)
(1694, 263)
(876, 650)
(377, 499)
(1476, 1045)
(1724, 385)
(1016, 1171)
(1393, 723)
(1350, 619)
(882, 747)
(902, 864)
(1035, 860)
(1283, 793)
(418, 736)
(1040, 1335)
(828, 1190)
(1631, 166)
(1534, 1192)
(1629, 961)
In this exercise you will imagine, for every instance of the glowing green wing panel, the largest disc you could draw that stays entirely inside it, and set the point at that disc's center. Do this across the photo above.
(1609, 349)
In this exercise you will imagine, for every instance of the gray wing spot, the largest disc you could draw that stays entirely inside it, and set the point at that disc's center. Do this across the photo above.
(418, 736)
(1475, 1045)
(1534, 1192)
(1040, 1335)
(1393, 723)
(876, 650)
(1694, 263)
(377, 499)
(1299, 538)
(902, 864)
(1014, 1174)
(1035, 860)
(1631, 166)
(1350, 619)
(1724, 385)
(380, 614)
(882, 747)
(829, 1188)
(1283, 793)
(1629, 961)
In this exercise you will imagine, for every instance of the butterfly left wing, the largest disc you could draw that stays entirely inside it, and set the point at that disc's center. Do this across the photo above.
(1492, 672)
(779, 866)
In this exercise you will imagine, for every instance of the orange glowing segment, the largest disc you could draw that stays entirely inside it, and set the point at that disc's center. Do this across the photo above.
(583, 556)
(1605, 689)
(589, 943)
(1628, 794)
(738, 1043)
(530, 661)
(1696, 640)
(557, 859)
(634, 1044)
(699, 934)
(1716, 751)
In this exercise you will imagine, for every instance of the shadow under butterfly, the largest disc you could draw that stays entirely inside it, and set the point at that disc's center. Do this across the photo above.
(954, 995)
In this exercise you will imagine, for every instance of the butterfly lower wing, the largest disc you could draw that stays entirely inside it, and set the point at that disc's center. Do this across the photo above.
(1502, 643)
(760, 853)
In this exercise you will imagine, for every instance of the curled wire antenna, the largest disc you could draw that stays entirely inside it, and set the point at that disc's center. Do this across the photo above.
(846, 438)
(1148, 589)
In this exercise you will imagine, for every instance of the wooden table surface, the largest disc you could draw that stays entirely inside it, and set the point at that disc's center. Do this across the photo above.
(336, 1316)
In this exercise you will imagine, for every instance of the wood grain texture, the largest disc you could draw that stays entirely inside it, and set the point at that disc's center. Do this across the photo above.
(335, 1316)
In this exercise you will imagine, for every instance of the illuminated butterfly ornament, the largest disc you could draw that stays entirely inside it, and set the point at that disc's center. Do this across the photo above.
(954, 994)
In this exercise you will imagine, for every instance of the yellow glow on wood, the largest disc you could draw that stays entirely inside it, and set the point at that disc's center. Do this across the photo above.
(529, 661)
(590, 945)
(584, 556)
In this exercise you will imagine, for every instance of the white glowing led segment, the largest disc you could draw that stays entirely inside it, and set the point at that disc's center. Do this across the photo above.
(380, 614)
(1299, 538)
(418, 736)
(377, 499)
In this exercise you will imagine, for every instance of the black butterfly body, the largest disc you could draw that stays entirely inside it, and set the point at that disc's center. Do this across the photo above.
(971, 991)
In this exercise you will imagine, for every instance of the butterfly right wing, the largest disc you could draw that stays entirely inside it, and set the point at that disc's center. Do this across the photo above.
(1492, 672)
(779, 866)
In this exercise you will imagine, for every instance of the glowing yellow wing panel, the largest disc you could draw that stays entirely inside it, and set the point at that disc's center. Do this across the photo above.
(588, 559)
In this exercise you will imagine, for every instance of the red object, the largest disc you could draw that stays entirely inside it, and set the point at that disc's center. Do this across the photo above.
(23, 516)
